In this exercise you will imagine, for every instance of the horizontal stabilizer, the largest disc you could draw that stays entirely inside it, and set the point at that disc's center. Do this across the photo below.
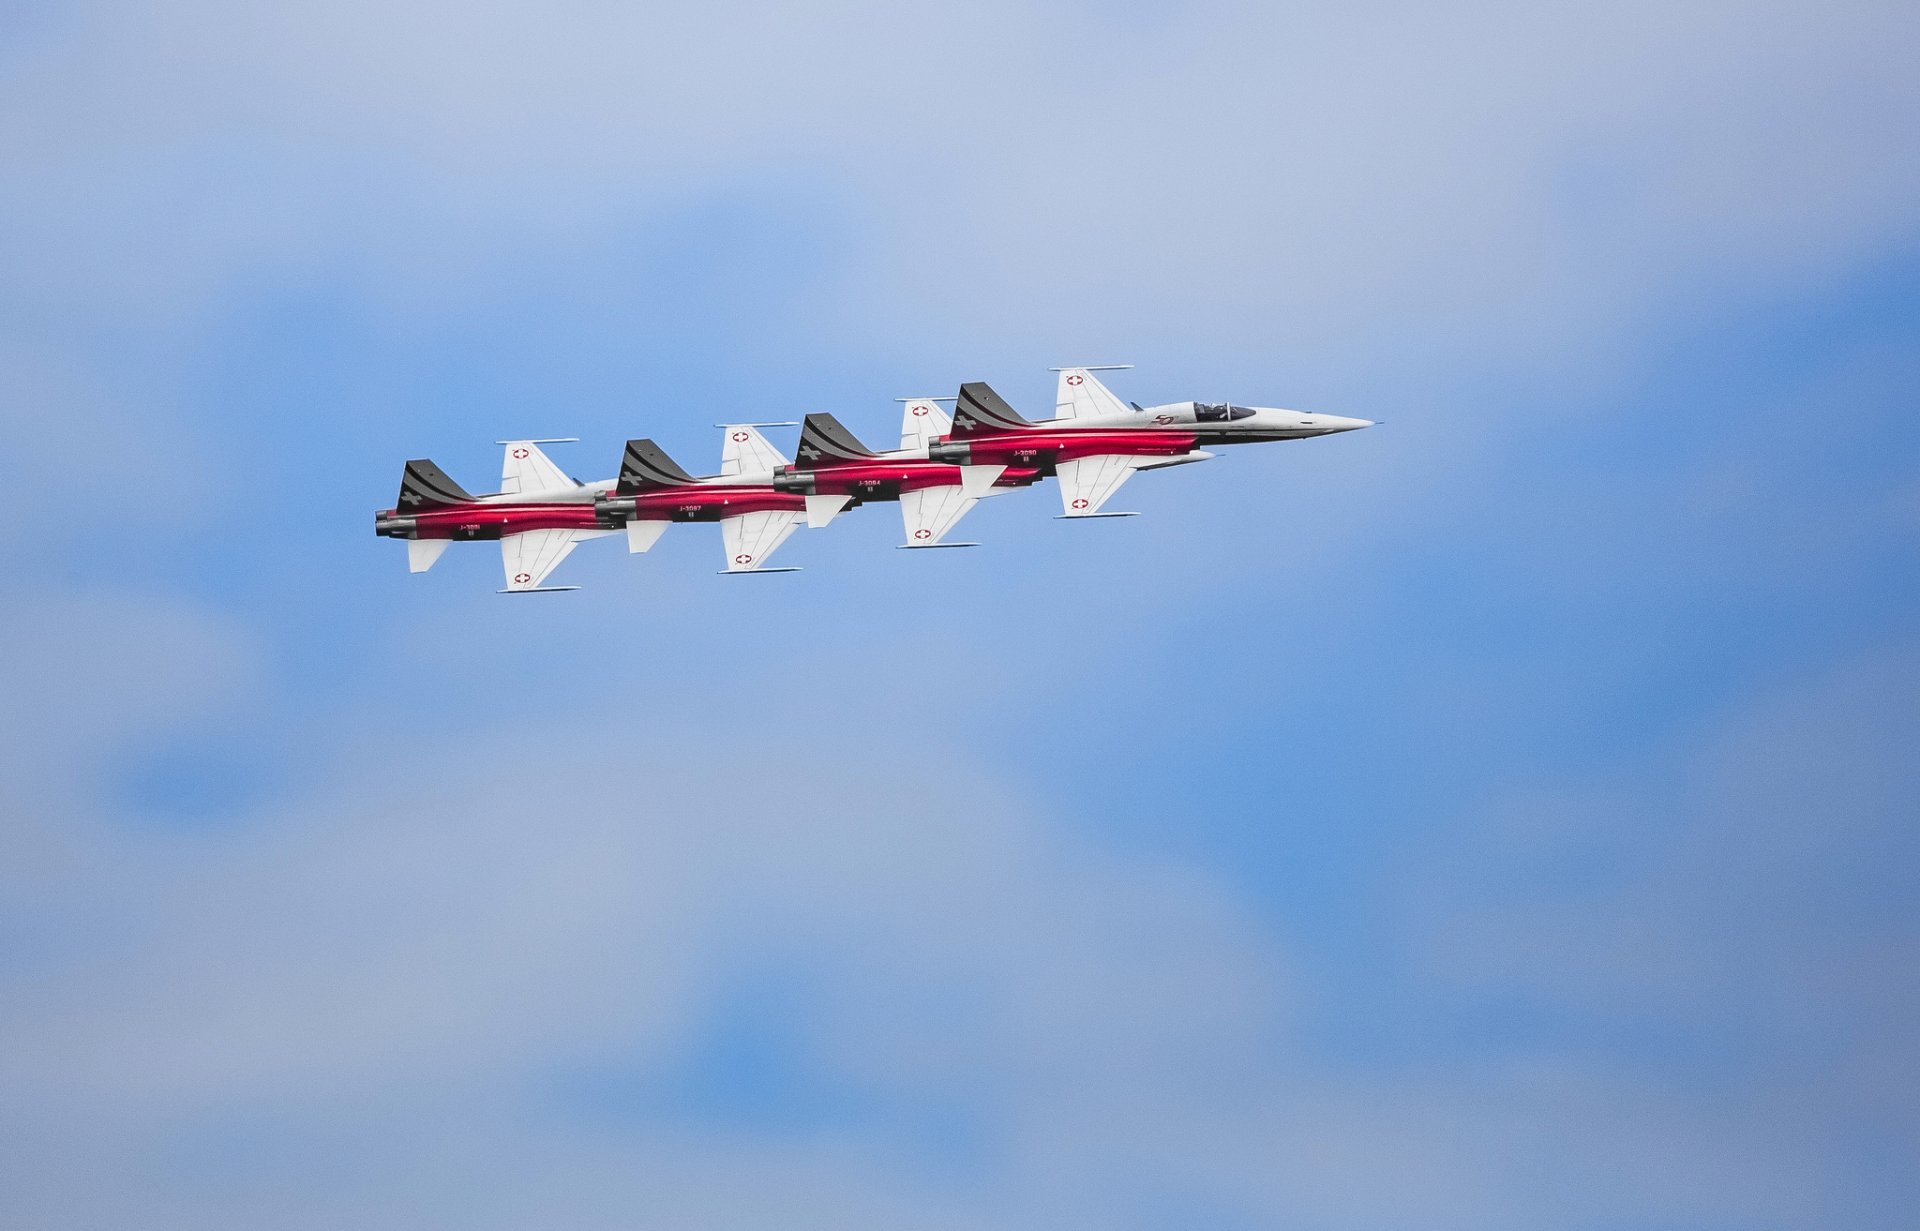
(822, 509)
(825, 440)
(421, 553)
(978, 481)
(646, 466)
(982, 412)
(642, 535)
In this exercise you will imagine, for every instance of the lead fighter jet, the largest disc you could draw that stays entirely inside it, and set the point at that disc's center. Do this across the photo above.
(1096, 441)
(833, 470)
(539, 515)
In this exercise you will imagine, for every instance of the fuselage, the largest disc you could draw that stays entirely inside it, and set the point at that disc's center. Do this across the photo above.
(494, 516)
(884, 476)
(1154, 431)
(709, 499)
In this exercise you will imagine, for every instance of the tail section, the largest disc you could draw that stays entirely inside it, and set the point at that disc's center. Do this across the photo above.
(1082, 396)
(824, 439)
(923, 422)
(982, 412)
(425, 485)
(646, 467)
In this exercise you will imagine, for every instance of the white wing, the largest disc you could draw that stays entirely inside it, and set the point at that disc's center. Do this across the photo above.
(1081, 396)
(530, 556)
(525, 470)
(744, 450)
(921, 423)
(752, 538)
(929, 512)
(1086, 483)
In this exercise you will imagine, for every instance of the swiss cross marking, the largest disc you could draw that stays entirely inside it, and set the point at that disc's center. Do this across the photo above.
(1075, 379)
(743, 558)
(741, 437)
(521, 579)
(520, 453)
(923, 533)
(1080, 504)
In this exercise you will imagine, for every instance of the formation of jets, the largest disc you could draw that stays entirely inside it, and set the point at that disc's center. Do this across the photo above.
(943, 467)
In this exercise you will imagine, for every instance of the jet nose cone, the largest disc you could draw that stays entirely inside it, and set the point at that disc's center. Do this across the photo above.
(1336, 423)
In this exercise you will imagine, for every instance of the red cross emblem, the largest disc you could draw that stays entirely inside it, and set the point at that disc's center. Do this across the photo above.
(521, 579)
(740, 436)
(743, 558)
(520, 452)
(1075, 379)
(923, 533)
(920, 411)
(1163, 420)
(1080, 504)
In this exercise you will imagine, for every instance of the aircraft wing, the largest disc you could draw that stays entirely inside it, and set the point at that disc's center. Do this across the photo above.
(530, 556)
(752, 538)
(524, 469)
(743, 450)
(1086, 483)
(923, 422)
(929, 512)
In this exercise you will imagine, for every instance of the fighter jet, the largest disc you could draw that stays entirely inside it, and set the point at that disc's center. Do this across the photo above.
(539, 515)
(834, 471)
(755, 517)
(1096, 441)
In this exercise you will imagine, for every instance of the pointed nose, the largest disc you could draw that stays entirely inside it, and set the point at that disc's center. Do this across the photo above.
(1339, 423)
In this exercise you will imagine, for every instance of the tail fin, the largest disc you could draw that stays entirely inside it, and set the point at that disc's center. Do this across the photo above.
(647, 466)
(1082, 396)
(823, 439)
(923, 422)
(425, 485)
(982, 412)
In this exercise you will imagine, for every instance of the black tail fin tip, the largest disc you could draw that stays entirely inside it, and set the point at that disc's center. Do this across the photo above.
(424, 483)
(981, 411)
(824, 438)
(646, 465)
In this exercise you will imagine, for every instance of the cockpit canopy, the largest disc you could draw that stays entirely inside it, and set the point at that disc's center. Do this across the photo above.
(1205, 412)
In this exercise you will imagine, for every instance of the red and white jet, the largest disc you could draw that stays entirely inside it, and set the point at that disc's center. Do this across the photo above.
(834, 471)
(539, 515)
(755, 516)
(1096, 441)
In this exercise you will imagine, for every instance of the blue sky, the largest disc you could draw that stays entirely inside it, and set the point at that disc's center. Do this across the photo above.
(1498, 819)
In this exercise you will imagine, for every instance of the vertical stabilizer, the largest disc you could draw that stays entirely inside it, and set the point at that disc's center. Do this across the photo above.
(646, 467)
(425, 485)
(982, 412)
(825, 440)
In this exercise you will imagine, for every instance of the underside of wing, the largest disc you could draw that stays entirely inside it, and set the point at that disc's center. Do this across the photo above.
(752, 538)
(529, 557)
(525, 470)
(1086, 483)
(930, 512)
